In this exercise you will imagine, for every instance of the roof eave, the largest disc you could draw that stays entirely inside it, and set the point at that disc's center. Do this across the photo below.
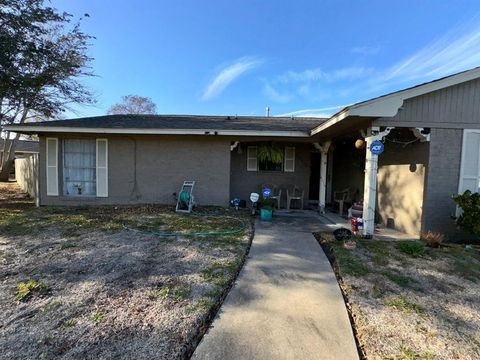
(134, 131)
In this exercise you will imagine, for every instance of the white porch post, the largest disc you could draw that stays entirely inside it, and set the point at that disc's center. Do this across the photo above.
(370, 186)
(322, 191)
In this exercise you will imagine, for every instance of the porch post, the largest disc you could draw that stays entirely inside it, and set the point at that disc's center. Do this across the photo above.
(323, 176)
(370, 186)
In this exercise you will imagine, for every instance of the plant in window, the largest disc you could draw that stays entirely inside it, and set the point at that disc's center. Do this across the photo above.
(79, 188)
(470, 204)
(270, 153)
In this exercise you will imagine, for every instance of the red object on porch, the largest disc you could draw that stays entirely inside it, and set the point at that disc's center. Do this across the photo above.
(357, 225)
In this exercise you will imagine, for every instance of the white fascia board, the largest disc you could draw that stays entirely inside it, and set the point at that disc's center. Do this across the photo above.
(388, 105)
(332, 121)
(204, 132)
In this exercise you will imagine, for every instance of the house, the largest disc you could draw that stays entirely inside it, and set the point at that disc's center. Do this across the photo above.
(430, 135)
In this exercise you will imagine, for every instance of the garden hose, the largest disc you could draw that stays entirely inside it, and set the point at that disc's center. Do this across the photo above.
(200, 233)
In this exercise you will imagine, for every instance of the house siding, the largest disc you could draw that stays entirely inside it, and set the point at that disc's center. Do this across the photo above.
(455, 107)
(446, 112)
(442, 181)
(162, 164)
(244, 182)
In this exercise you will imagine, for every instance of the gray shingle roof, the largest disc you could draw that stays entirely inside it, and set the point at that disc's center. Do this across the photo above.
(187, 122)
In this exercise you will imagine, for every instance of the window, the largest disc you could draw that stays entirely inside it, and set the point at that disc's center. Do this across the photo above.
(79, 167)
(288, 164)
(470, 168)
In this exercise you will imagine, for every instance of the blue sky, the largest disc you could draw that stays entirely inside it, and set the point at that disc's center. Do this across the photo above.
(298, 57)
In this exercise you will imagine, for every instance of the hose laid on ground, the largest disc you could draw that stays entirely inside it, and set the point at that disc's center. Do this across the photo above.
(204, 233)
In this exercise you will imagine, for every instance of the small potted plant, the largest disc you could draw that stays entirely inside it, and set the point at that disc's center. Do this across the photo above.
(266, 210)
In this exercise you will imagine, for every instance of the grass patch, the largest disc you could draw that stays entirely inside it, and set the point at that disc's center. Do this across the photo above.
(69, 323)
(220, 273)
(51, 306)
(402, 304)
(401, 280)
(68, 245)
(378, 250)
(26, 290)
(98, 317)
(412, 248)
(177, 293)
(181, 292)
(347, 262)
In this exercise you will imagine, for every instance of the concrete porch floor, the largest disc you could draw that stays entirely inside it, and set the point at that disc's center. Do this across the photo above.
(331, 220)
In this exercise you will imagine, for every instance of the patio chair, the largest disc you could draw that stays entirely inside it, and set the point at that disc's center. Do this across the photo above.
(341, 197)
(295, 193)
(276, 193)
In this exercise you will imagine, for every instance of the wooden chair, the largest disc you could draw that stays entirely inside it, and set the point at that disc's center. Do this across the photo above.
(276, 193)
(341, 197)
(295, 193)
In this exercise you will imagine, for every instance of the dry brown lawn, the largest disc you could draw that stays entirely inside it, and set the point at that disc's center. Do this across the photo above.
(409, 301)
(104, 283)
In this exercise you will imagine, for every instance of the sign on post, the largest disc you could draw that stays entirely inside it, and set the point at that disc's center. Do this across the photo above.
(377, 147)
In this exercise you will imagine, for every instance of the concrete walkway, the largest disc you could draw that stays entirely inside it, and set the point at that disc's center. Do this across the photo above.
(286, 303)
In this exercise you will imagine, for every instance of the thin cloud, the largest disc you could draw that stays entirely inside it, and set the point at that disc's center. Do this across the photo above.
(229, 74)
(317, 74)
(321, 112)
(458, 50)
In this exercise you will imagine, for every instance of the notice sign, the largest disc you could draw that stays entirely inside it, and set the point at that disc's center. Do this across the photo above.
(377, 147)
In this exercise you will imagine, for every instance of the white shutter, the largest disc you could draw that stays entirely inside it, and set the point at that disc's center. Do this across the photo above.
(102, 167)
(470, 167)
(289, 165)
(252, 163)
(52, 166)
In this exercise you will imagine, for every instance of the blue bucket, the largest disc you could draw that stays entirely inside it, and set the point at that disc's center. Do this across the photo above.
(266, 215)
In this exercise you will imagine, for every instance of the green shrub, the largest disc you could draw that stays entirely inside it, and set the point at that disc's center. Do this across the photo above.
(412, 247)
(26, 291)
(470, 204)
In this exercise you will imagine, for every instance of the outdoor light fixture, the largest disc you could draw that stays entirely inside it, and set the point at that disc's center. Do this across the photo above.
(360, 144)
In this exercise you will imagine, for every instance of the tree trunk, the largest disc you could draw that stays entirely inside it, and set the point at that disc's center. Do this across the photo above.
(7, 158)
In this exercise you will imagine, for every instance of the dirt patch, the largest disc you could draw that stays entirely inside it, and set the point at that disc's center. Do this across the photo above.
(114, 287)
(410, 305)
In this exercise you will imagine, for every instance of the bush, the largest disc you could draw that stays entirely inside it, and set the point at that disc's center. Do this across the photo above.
(412, 247)
(432, 239)
(469, 219)
(25, 291)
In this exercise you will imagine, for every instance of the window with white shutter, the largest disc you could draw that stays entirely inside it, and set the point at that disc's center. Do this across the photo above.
(289, 165)
(252, 162)
(470, 167)
(102, 167)
(52, 166)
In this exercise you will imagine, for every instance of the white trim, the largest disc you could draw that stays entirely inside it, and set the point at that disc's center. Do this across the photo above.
(204, 132)
(285, 169)
(249, 148)
(97, 167)
(388, 105)
(462, 163)
(53, 192)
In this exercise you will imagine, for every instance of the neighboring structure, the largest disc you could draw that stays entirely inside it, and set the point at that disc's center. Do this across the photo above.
(431, 135)
(23, 148)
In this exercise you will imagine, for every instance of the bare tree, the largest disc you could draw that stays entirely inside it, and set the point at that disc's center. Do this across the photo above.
(41, 60)
(134, 104)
